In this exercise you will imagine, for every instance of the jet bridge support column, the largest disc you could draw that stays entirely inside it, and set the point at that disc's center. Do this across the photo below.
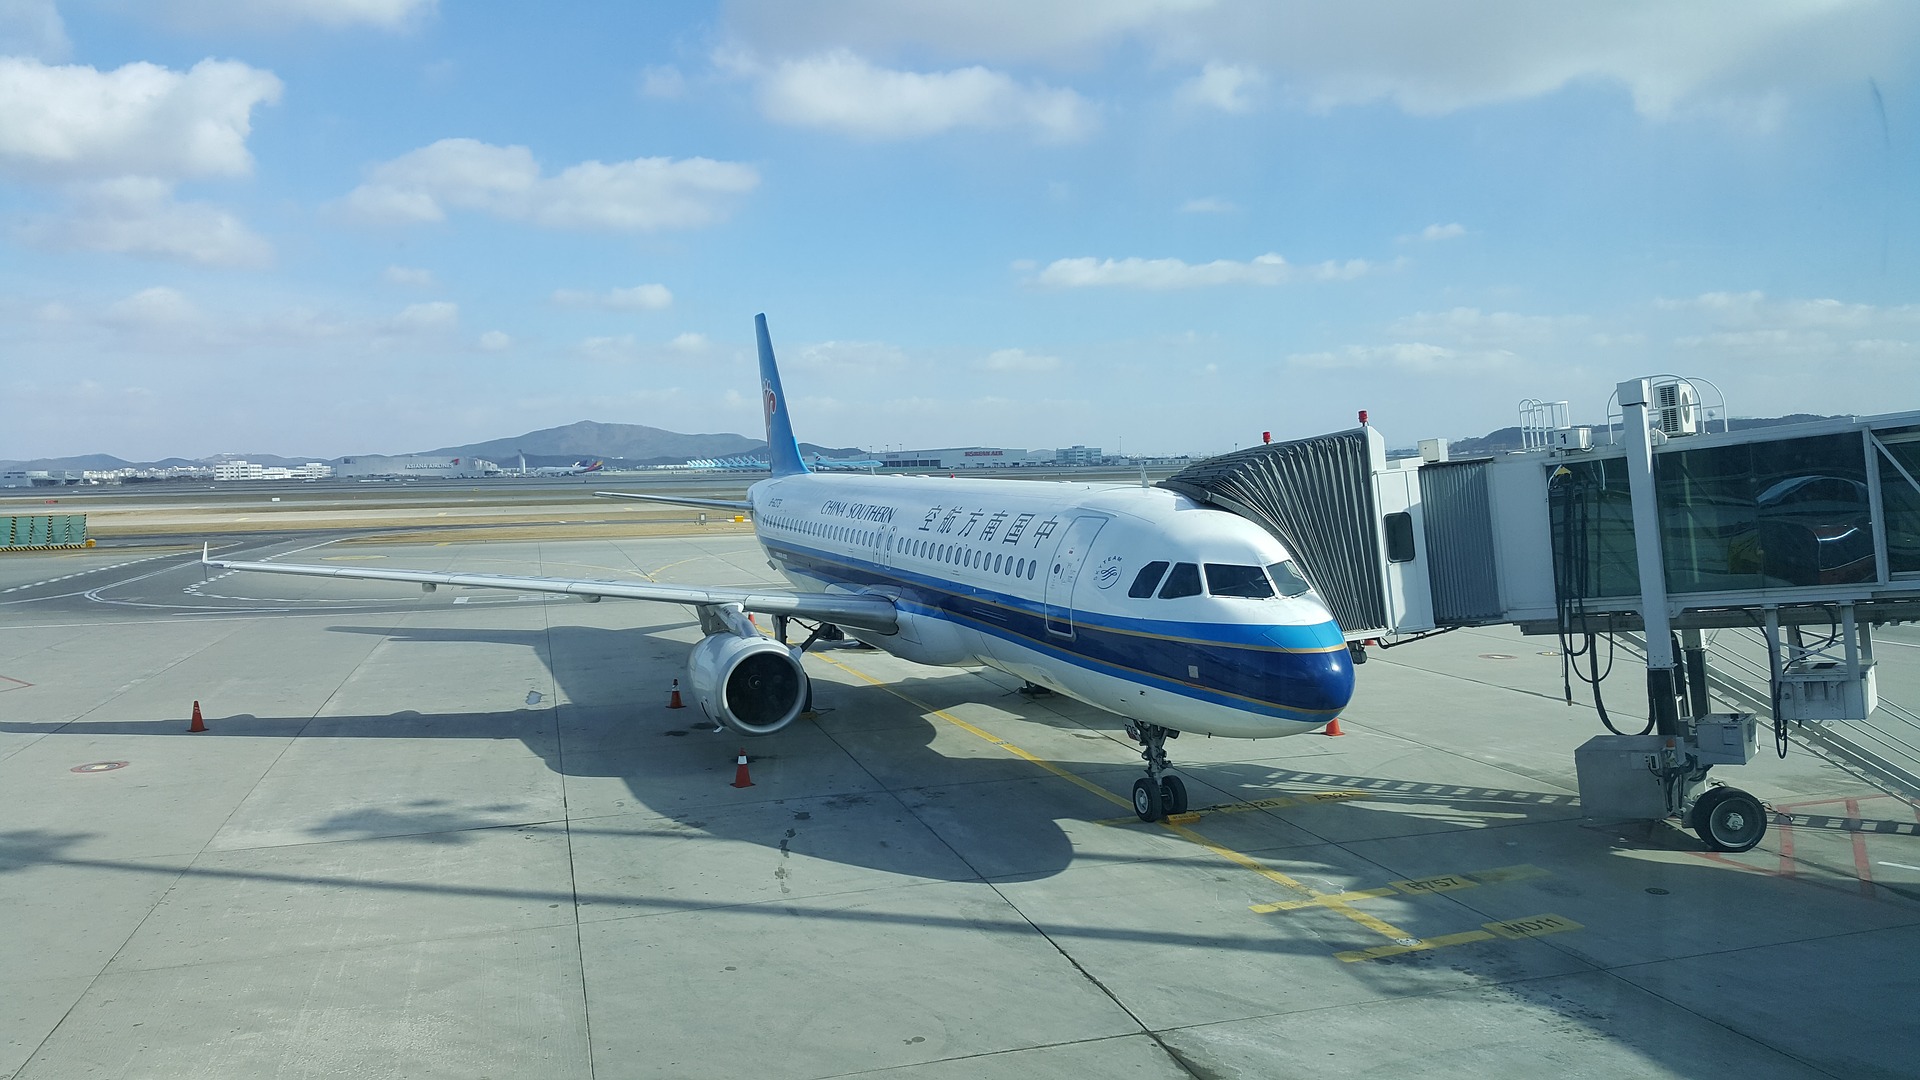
(1693, 646)
(1662, 689)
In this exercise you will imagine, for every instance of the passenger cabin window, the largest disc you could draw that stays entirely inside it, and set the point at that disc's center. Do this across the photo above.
(1287, 577)
(1399, 537)
(1183, 581)
(1228, 579)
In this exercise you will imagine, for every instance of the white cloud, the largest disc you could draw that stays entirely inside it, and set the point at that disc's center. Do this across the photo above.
(664, 82)
(1019, 360)
(1137, 273)
(852, 357)
(410, 276)
(156, 307)
(1423, 57)
(292, 14)
(32, 28)
(138, 216)
(642, 194)
(1758, 336)
(690, 342)
(74, 122)
(1222, 86)
(1471, 326)
(842, 92)
(432, 317)
(1412, 357)
(1208, 205)
(637, 298)
(1439, 232)
(495, 341)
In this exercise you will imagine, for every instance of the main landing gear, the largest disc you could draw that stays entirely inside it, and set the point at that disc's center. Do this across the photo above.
(1156, 796)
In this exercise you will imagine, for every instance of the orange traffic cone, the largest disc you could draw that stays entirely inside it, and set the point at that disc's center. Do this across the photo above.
(198, 723)
(740, 777)
(673, 701)
(1333, 727)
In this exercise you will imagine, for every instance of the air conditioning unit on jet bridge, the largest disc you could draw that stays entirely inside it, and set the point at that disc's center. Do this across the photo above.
(1676, 408)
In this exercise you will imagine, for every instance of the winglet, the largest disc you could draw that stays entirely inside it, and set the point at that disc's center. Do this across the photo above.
(783, 453)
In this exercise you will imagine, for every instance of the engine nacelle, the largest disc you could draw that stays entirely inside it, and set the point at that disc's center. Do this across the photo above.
(751, 684)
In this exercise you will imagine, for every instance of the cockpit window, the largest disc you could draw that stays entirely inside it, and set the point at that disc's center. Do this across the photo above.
(1149, 576)
(1184, 581)
(1287, 577)
(1226, 579)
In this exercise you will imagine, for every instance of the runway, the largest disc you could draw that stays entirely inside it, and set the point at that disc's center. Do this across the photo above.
(460, 834)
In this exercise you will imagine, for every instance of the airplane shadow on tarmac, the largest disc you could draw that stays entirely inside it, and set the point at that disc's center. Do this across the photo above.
(864, 766)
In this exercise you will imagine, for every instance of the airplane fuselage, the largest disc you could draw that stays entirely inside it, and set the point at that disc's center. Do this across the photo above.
(1049, 582)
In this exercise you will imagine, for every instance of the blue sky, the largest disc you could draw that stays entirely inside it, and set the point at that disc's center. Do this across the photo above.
(333, 226)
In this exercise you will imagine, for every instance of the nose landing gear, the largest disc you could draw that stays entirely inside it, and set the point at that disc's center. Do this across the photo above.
(1156, 796)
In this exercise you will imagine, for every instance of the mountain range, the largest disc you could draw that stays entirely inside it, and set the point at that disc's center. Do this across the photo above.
(616, 444)
(638, 444)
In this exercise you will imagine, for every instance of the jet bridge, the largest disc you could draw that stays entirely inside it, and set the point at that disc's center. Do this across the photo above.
(1808, 532)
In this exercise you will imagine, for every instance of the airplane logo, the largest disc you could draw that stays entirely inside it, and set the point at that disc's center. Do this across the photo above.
(1214, 633)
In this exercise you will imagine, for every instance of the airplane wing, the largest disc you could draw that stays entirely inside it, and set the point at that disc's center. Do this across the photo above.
(859, 610)
(736, 505)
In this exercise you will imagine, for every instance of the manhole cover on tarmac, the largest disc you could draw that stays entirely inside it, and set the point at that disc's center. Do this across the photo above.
(99, 766)
(1496, 656)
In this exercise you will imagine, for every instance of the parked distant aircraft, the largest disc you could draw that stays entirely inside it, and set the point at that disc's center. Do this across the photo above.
(578, 468)
(821, 464)
(1172, 615)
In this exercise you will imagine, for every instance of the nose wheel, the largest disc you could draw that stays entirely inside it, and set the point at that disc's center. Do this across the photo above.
(1156, 796)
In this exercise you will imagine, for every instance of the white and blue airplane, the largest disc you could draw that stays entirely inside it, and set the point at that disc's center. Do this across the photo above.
(1174, 616)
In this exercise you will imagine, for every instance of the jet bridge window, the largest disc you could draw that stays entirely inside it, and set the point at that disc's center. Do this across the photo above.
(1145, 581)
(1248, 582)
(1399, 537)
(1183, 581)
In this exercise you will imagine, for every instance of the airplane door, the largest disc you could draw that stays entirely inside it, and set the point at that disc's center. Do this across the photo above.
(1065, 570)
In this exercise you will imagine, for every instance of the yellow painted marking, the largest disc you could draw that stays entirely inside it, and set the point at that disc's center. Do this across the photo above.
(1400, 948)
(1501, 875)
(1533, 926)
(1244, 807)
(1320, 901)
(970, 729)
(1448, 883)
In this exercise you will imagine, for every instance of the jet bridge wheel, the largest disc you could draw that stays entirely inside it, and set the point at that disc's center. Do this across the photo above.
(1147, 800)
(1729, 819)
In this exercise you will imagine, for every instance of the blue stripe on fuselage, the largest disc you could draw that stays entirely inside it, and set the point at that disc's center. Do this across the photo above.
(1298, 672)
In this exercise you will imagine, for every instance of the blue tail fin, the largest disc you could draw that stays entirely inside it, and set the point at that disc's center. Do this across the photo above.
(783, 453)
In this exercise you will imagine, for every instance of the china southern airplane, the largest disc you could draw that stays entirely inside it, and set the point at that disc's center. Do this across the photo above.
(1172, 615)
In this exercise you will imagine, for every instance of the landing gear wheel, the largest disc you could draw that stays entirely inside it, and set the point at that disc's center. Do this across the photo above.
(1728, 819)
(1146, 800)
(1173, 793)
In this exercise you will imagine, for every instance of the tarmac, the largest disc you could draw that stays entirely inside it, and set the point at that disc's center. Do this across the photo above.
(461, 834)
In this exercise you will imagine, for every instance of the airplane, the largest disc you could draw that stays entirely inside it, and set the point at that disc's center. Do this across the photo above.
(578, 468)
(821, 464)
(1174, 616)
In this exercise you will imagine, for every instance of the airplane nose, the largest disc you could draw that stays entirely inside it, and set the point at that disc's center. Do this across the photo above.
(1334, 681)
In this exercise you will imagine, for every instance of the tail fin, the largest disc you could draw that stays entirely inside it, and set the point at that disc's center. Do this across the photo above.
(783, 453)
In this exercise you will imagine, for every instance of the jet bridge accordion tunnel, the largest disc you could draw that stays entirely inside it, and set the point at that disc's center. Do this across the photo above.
(1808, 533)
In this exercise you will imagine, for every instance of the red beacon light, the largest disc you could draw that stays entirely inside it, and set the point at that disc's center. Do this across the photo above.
(1266, 437)
(1363, 417)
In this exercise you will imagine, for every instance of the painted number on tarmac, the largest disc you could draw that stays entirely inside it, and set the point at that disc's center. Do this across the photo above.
(1533, 926)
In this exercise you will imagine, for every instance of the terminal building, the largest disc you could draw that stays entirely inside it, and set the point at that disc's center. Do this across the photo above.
(964, 457)
(413, 466)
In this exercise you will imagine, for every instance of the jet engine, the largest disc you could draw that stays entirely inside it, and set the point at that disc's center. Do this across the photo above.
(751, 684)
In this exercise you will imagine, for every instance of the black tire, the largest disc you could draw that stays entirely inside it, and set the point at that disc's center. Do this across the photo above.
(1146, 800)
(1728, 819)
(1173, 793)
